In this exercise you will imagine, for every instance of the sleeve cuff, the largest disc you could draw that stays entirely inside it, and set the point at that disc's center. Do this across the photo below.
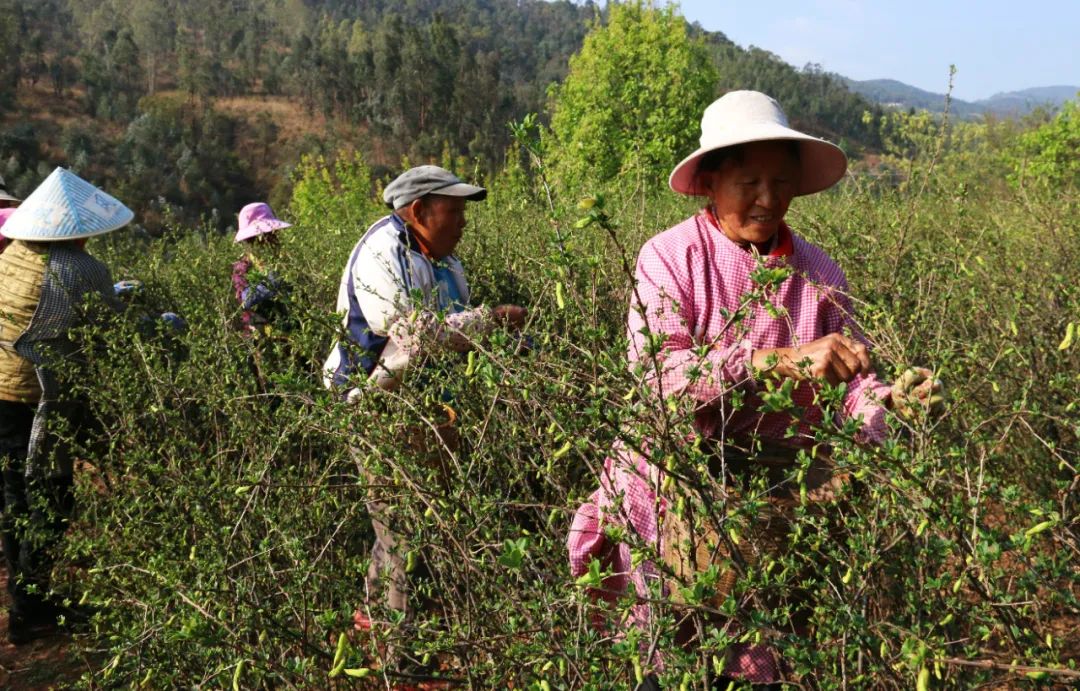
(732, 365)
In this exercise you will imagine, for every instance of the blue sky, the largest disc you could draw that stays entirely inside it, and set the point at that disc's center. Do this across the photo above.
(996, 45)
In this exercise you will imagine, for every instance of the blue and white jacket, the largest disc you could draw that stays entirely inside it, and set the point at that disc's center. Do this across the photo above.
(394, 300)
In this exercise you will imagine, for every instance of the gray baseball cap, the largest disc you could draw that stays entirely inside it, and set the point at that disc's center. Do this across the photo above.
(4, 195)
(416, 182)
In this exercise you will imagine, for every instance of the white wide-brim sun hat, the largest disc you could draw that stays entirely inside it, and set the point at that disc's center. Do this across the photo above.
(742, 117)
(66, 207)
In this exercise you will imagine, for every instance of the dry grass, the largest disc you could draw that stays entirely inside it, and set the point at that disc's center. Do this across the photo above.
(292, 119)
(51, 114)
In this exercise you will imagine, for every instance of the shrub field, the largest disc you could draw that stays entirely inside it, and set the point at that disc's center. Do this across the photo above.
(222, 513)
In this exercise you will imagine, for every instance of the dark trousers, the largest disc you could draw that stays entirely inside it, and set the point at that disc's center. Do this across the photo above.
(35, 513)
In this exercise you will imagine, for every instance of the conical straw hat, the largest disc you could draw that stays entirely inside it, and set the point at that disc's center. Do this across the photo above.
(66, 207)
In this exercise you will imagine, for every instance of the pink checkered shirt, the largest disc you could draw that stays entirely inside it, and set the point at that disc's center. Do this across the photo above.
(690, 278)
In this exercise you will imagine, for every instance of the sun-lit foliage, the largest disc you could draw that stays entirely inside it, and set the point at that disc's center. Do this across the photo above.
(226, 519)
(633, 98)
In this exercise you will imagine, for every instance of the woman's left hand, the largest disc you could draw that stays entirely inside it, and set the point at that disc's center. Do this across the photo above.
(917, 392)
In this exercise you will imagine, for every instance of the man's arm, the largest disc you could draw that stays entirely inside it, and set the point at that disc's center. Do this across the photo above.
(381, 289)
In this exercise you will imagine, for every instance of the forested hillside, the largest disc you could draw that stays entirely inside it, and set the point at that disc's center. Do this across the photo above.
(195, 107)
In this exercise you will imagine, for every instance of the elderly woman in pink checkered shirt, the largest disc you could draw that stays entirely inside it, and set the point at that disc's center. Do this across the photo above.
(690, 279)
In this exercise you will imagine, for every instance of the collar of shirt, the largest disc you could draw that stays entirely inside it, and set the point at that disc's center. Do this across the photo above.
(782, 245)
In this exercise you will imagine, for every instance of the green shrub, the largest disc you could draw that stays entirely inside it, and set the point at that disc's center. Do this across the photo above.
(1050, 155)
(632, 100)
(226, 522)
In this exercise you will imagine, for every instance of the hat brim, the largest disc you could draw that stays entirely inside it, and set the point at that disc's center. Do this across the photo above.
(462, 189)
(35, 237)
(5, 197)
(822, 163)
(261, 227)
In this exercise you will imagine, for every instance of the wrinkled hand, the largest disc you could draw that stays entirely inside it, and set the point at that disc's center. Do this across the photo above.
(510, 316)
(916, 393)
(834, 358)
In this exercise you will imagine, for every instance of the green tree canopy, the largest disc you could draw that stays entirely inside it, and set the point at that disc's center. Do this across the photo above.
(634, 95)
(9, 53)
(1051, 153)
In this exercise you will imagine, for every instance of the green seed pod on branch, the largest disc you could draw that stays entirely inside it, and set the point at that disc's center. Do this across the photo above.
(237, 673)
(358, 672)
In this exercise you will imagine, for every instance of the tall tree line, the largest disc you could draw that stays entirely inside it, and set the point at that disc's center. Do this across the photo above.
(424, 79)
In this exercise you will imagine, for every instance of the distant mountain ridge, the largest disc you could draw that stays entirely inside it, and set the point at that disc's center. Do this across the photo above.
(1039, 95)
(896, 94)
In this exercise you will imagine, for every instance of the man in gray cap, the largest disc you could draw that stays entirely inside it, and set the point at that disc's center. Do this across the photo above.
(402, 291)
(402, 255)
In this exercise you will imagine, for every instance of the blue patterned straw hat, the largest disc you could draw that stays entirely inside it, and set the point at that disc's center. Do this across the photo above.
(66, 207)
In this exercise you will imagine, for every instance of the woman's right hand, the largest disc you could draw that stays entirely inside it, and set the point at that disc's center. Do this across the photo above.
(834, 358)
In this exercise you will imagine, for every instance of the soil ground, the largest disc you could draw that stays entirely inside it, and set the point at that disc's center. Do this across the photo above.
(48, 663)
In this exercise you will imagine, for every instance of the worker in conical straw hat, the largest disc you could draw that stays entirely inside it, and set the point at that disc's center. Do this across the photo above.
(49, 285)
(690, 279)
